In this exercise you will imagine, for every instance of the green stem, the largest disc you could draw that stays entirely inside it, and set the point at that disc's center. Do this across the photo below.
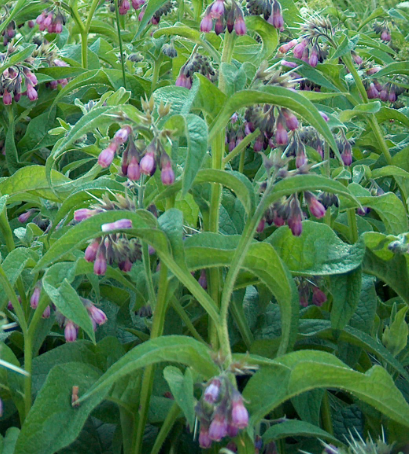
(148, 273)
(241, 147)
(147, 382)
(326, 414)
(241, 163)
(156, 70)
(228, 46)
(166, 427)
(185, 318)
(91, 12)
(353, 227)
(358, 82)
(118, 25)
(28, 361)
(238, 259)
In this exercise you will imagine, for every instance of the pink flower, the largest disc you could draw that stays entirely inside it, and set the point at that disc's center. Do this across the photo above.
(218, 427)
(324, 116)
(239, 413)
(240, 26)
(206, 24)
(318, 296)
(125, 266)
(97, 315)
(204, 440)
(35, 297)
(299, 49)
(117, 225)
(167, 175)
(91, 251)
(47, 312)
(133, 170)
(316, 208)
(313, 60)
(122, 135)
(212, 392)
(70, 331)
(7, 99)
(148, 164)
(291, 120)
(83, 213)
(217, 9)
(281, 134)
(287, 46)
(106, 156)
(100, 264)
(32, 94)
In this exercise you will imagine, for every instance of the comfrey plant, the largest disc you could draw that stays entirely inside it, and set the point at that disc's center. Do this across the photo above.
(204, 227)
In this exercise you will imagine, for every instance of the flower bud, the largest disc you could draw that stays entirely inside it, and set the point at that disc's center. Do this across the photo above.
(121, 224)
(219, 26)
(346, 155)
(239, 413)
(7, 99)
(295, 218)
(97, 315)
(70, 331)
(204, 440)
(217, 9)
(122, 135)
(291, 120)
(35, 297)
(203, 279)
(318, 297)
(281, 135)
(148, 164)
(125, 266)
(313, 60)
(106, 156)
(83, 213)
(385, 36)
(167, 175)
(299, 49)
(261, 225)
(206, 24)
(133, 170)
(47, 312)
(240, 26)
(25, 216)
(212, 392)
(287, 46)
(316, 208)
(100, 264)
(218, 427)
(372, 92)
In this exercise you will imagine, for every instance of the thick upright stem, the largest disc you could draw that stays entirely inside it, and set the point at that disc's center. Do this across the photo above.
(118, 25)
(147, 383)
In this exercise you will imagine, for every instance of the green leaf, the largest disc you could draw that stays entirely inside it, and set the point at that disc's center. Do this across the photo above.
(361, 109)
(267, 33)
(345, 46)
(10, 440)
(394, 68)
(317, 252)
(395, 336)
(171, 222)
(393, 272)
(12, 158)
(31, 181)
(211, 250)
(194, 129)
(388, 114)
(181, 387)
(180, 349)
(52, 422)
(278, 96)
(346, 290)
(56, 283)
(301, 371)
(234, 78)
(294, 428)
(389, 171)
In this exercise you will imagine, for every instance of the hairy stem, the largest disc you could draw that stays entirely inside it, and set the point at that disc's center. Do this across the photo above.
(118, 26)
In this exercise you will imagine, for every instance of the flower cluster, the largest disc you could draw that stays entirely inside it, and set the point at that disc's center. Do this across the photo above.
(162, 11)
(96, 315)
(221, 15)
(345, 149)
(310, 290)
(221, 411)
(111, 247)
(138, 158)
(288, 211)
(310, 137)
(11, 83)
(385, 92)
(196, 64)
(269, 9)
(9, 33)
(51, 20)
(383, 30)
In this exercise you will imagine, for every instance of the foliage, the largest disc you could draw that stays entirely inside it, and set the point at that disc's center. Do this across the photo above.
(204, 226)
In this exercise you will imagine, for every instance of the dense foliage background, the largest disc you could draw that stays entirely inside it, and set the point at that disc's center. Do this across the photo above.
(204, 226)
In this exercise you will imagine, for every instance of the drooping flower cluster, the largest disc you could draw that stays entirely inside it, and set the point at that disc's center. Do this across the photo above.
(309, 290)
(382, 29)
(162, 11)
(12, 82)
(385, 92)
(111, 247)
(269, 9)
(222, 15)
(137, 158)
(345, 148)
(51, 20)
(97, 316)
(221, 411)
(196, 64)
(9, 33)
(288, 211)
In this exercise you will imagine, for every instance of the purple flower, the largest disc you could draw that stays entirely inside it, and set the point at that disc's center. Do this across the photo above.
(167, 175)
(83, 213)
(206, 24)
(25, 216)
(313, 60)
(318, 297)
(261, 225)
(212, 392)
(100, 264)
(70, 331)
(7, 99)
(148, 165)
(35, 297)
(47, 312)
(385, 36)
(240, 26)
(125, 266)
(121, 224)
(218, 427)
(204, 440)
(217, 9)
(316, 208)
(91, 251)
(203, 279)
(324, 116)
(299, 49)
(97, 315)
(291, 120)
(122, 135)
(281, 134)
(239, 413)
(106, 156)
(372, 92)
(287, 46)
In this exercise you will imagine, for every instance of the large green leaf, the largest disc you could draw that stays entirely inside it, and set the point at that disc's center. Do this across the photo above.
(52, 422)
(179, 349)
(318, 251)
(294, 428)
(301, 371)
